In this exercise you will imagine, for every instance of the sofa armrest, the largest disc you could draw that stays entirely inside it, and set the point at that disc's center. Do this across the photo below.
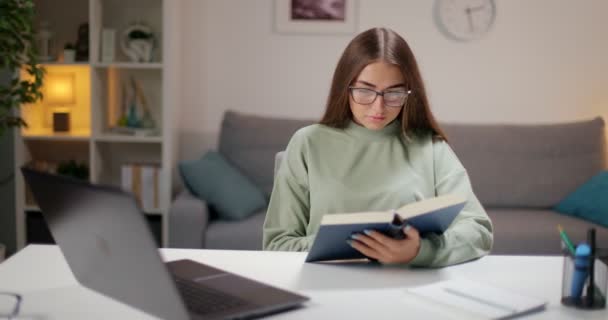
(188, 220)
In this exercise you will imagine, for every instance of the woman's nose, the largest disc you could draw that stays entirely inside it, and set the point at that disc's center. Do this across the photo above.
(378, 104)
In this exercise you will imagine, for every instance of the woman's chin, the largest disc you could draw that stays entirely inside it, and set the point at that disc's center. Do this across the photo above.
(375, 125)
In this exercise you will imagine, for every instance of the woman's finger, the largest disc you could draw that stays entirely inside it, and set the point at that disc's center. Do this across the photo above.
(364, 249)
(371, 242)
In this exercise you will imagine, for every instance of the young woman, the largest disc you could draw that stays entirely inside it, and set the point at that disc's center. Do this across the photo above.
(377, 147)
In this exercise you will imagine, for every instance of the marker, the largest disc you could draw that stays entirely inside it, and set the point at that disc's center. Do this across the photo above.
(581, 270)
(566, 240)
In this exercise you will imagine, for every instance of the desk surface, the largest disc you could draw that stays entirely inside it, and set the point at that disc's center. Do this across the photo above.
(356, 291)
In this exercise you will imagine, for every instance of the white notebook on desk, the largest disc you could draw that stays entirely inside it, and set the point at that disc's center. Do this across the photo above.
(480, 299)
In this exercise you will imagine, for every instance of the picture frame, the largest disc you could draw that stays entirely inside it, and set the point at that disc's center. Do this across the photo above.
(316, 17)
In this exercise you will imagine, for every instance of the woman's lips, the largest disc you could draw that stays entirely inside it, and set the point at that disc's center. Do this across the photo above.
(377, 118)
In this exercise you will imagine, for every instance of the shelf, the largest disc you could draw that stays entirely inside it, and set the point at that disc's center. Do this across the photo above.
(101, 90)
(129, 65)
(108, 137)
(69, 64)
(155, 212)
(32, 208)
(48, 134)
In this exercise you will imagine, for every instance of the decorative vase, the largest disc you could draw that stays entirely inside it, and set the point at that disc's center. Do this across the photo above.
(147, 121)
(137, 42)
(132, 120)
(45, 41)
(69, 55)
(139, 50)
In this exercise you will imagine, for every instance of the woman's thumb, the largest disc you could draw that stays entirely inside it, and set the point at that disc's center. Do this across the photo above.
(409, 231)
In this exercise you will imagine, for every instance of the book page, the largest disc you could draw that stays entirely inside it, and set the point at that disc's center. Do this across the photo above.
(408, 211)
(428, 205)
(358, 217)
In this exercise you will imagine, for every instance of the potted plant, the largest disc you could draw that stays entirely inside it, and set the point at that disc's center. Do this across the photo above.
(69, 53)
(74, 169)
(18, 52)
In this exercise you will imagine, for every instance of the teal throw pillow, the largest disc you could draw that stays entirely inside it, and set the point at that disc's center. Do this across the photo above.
(589, 201)
(216, 181)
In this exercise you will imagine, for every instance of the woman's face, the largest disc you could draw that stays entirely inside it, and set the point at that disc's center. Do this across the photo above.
(382, 77)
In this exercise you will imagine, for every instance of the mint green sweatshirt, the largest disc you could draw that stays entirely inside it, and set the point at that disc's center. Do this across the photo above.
(327, 170)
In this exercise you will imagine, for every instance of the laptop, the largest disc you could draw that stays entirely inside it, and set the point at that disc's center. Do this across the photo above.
(110, 249)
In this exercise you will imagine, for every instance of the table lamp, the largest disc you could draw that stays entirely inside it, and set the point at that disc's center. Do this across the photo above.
(59, 94)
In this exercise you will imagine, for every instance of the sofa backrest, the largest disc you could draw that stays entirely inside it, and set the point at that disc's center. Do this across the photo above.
(251, 142)
(528, 165)
(509, 165)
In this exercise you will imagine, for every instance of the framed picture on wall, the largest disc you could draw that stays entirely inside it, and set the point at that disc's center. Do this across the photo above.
(315, 16)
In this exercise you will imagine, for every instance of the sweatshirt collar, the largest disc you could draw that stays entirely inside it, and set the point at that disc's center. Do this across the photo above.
(359, 131)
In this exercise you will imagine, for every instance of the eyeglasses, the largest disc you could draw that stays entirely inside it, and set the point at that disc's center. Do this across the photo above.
(10, 303)
(392, 98)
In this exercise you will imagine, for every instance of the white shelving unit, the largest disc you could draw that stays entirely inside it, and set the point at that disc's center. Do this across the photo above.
(98, 101)
(129, 65)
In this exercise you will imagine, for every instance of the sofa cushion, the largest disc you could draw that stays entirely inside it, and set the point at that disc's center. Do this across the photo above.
(589, 201)
(216, 181)
(244, 234)
(528, 165)
(529, 231)
(251, 143)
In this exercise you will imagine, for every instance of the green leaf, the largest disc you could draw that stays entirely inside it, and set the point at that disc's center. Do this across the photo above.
(16, 35)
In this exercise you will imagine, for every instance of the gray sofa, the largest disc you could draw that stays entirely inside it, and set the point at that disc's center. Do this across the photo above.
(519, 172)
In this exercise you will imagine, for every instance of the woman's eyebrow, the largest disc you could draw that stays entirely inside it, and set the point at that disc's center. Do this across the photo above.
(369, 84)
(398, 85)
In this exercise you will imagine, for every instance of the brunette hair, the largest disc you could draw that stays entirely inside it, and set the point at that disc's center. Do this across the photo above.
(380, 44)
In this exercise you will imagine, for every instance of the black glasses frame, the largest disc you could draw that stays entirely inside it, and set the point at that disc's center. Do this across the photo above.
(17, 308)
(380, 93)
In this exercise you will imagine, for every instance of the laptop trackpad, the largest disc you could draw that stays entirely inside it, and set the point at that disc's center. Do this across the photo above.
(190, 270)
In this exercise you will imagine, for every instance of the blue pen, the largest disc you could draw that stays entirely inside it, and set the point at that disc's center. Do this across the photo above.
(581, 270)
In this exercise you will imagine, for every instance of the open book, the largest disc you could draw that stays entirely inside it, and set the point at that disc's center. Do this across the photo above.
(429, 215)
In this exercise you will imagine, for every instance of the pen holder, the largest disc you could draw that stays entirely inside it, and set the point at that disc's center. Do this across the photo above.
(576, 281)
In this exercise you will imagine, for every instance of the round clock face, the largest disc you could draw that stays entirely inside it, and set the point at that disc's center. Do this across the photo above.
(465, 19)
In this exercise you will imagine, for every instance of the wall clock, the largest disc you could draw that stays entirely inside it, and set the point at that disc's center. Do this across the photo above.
(464, 20)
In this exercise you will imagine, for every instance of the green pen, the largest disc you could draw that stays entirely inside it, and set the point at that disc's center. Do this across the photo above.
(566, 240)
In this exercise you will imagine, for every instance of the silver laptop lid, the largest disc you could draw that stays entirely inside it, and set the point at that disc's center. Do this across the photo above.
(106, 242)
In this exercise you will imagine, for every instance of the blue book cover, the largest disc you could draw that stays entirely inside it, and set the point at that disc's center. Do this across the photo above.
(430, 215)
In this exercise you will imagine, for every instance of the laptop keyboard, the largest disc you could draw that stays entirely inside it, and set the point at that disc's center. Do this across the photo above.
(204, 300)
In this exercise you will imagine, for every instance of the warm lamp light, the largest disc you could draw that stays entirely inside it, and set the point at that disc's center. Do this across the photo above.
(59, 92)
(59, 89)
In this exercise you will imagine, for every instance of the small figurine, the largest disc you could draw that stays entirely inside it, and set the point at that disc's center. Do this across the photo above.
(82, 43)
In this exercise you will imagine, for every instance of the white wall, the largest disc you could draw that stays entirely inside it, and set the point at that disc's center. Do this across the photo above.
(543, 61)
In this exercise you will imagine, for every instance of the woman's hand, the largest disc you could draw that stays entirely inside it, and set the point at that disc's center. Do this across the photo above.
(387, 250)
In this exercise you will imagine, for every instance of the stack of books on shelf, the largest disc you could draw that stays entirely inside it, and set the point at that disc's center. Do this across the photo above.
(143, 180)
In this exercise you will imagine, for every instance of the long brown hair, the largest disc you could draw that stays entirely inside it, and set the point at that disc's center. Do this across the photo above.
(380, 44)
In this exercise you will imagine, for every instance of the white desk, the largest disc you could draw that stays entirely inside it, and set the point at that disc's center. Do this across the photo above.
(352, 291)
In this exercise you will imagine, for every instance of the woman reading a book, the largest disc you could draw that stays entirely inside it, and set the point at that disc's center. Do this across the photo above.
(377, 147)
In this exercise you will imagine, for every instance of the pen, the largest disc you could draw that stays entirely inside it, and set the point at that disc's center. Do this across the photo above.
(566, 240)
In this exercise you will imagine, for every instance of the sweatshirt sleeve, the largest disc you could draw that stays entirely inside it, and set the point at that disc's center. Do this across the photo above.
(470, 234)
(288, 211)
